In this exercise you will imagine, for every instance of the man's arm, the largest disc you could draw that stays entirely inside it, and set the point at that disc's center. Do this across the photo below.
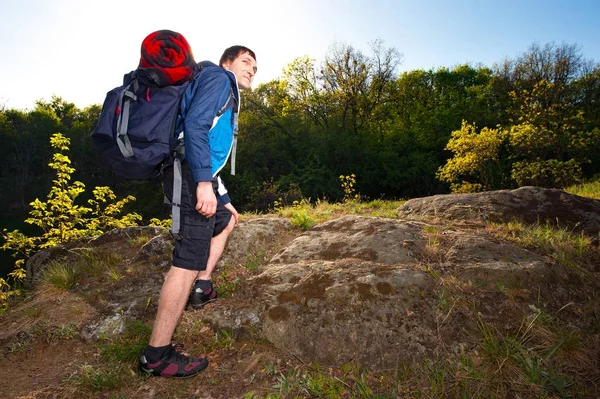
(209, 96)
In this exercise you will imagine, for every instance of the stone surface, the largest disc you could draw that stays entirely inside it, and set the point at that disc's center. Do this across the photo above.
(526, 204)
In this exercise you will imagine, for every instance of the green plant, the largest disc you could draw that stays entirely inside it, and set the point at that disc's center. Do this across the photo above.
(589, 189)
(63, 331)
(126, 347)
(255, 259)
(114, 274)
(517, 357)
(60, 219)
(95, 379)
(61, 275)
(348, 183)
(223, 339)
(571, 250)
(19, 346)
(302, 220)
(227, 282)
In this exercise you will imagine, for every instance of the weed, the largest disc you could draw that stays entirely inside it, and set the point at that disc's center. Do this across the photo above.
(126, 347)
(114, 274)
(19, 346)
(61, 275)
(97, 379)
(227, 282)
(63, 331)
(303, 220)
(571, 250)
(93, 263)
(33, 311)
(431, 272)
(519, 359)
(255, 259)
(139, 240)
(223, 339)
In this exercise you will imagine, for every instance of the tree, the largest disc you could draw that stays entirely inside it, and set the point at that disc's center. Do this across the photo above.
(550, 142)
(476, 165)
(358, 84)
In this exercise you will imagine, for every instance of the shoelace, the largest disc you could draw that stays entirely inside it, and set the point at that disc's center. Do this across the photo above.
(177, 357)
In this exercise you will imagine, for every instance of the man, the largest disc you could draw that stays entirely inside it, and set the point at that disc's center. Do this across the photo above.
(209, 108)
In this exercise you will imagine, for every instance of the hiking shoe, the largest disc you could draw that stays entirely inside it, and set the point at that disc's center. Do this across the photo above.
(174, 364)
(199, 297)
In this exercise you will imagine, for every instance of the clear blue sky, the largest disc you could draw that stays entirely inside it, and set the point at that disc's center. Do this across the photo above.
(80, 49)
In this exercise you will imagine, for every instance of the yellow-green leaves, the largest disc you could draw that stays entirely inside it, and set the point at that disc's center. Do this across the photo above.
(476, 155)
(61, 219)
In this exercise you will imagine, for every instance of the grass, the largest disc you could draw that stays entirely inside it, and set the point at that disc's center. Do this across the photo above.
(125, 348)
(97, 379)
(574, 251)
(64, 274)
(590, 189)
(305, 214)
(139, 240)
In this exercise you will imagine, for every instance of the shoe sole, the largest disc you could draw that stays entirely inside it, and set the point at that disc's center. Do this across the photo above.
(203, 303)
(145, 373)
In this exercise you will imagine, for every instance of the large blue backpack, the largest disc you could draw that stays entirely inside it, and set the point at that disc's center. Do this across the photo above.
(136, 132)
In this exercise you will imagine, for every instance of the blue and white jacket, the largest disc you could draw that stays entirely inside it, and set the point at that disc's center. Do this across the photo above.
(210, 107)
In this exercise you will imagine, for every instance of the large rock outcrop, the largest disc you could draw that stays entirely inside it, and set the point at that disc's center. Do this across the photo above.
(526, 204)
(360, 289)
(376, 291)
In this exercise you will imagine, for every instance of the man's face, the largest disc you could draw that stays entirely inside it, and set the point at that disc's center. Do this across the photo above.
(244, 69)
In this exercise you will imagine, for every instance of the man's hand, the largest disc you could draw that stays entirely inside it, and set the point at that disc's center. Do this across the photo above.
(234, 212)
(207, 201)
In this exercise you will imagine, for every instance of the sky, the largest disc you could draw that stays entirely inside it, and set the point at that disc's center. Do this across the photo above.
(79, 50)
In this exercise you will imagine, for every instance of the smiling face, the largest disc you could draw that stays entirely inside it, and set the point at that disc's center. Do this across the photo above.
(244, 69)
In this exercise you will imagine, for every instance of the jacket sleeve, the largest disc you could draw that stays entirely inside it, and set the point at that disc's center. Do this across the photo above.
(222, 195)
(209, 94)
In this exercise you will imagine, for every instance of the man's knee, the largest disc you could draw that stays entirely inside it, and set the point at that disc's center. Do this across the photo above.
(230, 226)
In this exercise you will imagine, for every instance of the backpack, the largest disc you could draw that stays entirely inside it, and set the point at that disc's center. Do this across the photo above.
(136, 132)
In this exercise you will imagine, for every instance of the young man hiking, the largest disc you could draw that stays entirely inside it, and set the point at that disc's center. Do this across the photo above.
(209, 107)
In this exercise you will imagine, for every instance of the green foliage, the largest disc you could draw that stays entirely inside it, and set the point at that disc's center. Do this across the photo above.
(572, 250)
(96, 379)
(126, 347)
(476, 158)
(60, 275)
(106, 210)
(302, 220)
(508, 351)
(547, 173)
(60, 219)
(589, 189)
(549, 140)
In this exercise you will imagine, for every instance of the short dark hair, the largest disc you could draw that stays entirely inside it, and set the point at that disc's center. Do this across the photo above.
(233, 52)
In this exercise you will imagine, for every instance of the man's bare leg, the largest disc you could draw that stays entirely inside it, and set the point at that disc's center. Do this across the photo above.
(173, 297)
(217, 246)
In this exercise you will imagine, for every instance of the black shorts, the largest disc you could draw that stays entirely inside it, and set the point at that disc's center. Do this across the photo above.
(196, 231)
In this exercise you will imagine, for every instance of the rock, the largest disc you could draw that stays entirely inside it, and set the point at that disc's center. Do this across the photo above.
(336, 312)
(156, 246)
(527, 204)
(357, 288)
(254, 236)
(36, 264)
(126, 233)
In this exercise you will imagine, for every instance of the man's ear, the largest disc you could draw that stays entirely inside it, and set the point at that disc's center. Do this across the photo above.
(226, 64)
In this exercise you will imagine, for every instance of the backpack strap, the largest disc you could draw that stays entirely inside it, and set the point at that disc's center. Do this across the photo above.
(125, 99)
(235, 138)
(177, 184)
